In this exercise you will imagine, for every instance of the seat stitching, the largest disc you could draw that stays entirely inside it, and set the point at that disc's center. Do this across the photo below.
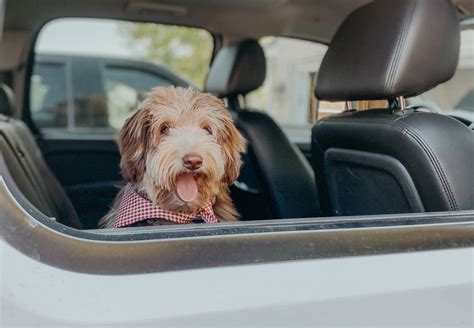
(398, 50)
(436, 164)
(432, 157)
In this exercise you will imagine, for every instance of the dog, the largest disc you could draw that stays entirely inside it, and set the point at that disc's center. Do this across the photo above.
(180, 152)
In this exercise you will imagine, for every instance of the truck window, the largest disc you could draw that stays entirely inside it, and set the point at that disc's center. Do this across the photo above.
(49, 95)
(124, 88)
(90, 74)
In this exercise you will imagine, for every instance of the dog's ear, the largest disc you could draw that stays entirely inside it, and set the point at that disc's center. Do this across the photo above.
(233, 146)
(133, 141)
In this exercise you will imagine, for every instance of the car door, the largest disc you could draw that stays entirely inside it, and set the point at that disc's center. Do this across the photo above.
(410, 270)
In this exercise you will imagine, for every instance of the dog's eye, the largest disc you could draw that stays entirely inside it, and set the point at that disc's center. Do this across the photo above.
(165, 128)
(208, 129)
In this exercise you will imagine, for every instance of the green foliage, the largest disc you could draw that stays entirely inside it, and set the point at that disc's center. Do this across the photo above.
(187, 51)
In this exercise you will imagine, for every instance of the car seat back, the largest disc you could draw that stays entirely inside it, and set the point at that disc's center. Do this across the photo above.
(397, 159)
(283, 181)
(26, 166)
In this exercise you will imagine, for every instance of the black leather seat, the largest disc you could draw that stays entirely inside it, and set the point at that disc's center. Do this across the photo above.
(397, 159)
(27, 168)
(276, 181)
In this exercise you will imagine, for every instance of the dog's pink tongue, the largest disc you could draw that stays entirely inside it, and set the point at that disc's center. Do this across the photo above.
(186, 187)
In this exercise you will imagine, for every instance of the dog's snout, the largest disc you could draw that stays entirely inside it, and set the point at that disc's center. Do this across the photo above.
(192, 161)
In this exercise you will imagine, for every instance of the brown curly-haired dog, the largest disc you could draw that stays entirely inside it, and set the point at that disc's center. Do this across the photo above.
(180, 150)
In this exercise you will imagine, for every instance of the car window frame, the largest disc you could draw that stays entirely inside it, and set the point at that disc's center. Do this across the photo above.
(146, 250)
(143, 250)
(3, 4)
(25, 112)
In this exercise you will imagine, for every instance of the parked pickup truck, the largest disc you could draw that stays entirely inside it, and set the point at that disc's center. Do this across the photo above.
(60, 99)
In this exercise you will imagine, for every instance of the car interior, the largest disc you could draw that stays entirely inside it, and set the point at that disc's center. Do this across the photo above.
(407, 160)
(274, 169)
(398, 158)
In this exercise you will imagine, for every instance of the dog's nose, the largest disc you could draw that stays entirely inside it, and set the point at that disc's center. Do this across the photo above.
(192, 161)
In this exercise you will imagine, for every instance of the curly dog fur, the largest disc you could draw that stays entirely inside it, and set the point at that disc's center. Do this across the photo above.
(170, 126)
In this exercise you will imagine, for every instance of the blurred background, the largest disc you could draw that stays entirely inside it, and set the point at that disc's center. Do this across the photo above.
(91, 74)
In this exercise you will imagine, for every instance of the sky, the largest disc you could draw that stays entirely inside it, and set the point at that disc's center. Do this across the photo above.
(83, 36)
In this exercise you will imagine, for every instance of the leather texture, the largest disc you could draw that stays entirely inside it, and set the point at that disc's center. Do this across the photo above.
(7, 100)
(237, 70)
(30, 172)
(388, 49)
(275, 181)
(286, 177)
(362, 183)
(384, 50)
(436, 150)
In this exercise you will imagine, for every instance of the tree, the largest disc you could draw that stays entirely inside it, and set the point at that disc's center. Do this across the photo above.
(187, 51)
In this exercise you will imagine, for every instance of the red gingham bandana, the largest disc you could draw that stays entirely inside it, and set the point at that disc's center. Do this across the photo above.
(134, 207)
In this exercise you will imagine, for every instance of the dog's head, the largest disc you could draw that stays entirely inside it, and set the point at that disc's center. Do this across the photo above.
(181, 147)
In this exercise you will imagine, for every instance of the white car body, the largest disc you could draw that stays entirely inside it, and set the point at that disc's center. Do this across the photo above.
(412, 289)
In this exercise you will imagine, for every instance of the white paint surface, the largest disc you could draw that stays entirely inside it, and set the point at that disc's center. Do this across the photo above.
(430, 289)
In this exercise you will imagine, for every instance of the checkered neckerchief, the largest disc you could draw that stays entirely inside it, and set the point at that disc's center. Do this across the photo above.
(134, 207)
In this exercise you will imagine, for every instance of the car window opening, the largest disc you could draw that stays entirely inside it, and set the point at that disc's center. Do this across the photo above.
(82, 92)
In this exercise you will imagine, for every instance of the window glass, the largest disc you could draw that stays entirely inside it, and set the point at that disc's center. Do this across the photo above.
(124, 88)
(456, 96)
(287, 94)
(48, 95)
(89, 74)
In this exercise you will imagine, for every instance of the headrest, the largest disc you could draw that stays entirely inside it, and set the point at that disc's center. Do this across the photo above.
(237, 69)
(7, 100)
(388, 49)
